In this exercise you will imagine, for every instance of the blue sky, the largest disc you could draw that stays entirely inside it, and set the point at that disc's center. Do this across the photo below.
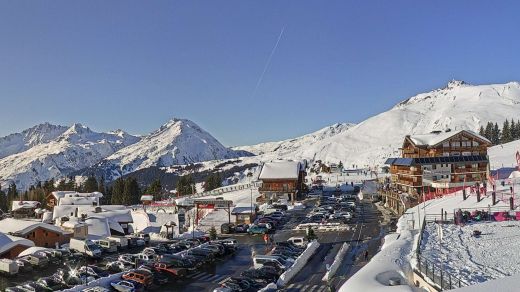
(136, 64)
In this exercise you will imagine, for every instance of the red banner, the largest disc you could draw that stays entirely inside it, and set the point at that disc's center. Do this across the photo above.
(518, 160)
(206, 206)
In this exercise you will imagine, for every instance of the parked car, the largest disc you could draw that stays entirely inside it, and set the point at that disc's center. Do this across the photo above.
(93, 271)
(140, 276)
(126, 286)
(256, 229)
(241, 228)
(169, 268)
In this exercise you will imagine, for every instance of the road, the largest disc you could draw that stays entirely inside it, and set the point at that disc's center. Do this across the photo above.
(365, 233)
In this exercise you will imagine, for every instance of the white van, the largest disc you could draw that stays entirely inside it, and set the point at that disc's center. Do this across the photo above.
(260, 260)
(298, 241)
(122, 242)
(107, 245)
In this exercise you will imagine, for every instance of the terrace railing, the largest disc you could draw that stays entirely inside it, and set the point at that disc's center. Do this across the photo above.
(438, 274)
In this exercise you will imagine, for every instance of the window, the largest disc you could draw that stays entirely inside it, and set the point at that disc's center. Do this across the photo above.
(455, 153)
(446, 154)
(475, 143)
(446, 144)
(455, 144)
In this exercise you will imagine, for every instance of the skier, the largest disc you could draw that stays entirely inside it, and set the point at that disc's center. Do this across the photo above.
(366, 255)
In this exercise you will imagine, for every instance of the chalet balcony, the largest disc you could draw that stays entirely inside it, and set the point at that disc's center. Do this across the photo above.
(469, 170)
(276, 189)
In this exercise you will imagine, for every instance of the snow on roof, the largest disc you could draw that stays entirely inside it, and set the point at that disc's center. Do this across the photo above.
(98, 227)
(11, 225)
(63, 194)
(77, 201)
(120, 213)
(24, 205)
(147, 198)
(432, 139)
(33, 250)
(243, 208)
(8, 241)
(280, 170)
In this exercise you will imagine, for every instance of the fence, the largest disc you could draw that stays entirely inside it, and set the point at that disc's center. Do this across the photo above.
(222, 190)
(430, 270)
(438, 275)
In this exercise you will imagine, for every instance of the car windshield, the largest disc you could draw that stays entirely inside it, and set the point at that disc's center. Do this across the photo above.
(91, 246)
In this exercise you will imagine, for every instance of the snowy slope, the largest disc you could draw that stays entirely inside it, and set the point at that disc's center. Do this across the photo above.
(286, 147)
(19, 142)
(179, 141)
(78, 147)
(457, 106)
(504, 155)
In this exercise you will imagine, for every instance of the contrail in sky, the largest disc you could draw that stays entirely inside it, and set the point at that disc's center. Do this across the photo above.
(268, 62)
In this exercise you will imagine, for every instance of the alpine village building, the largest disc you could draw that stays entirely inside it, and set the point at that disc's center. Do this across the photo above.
(435, 162)
(282, 180)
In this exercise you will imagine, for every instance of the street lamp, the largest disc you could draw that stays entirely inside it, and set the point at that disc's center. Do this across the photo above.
(250, 176)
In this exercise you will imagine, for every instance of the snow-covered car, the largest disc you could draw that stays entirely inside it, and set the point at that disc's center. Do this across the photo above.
(126, 286)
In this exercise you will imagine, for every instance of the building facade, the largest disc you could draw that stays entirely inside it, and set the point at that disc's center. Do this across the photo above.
(282, 180)
(438, 161)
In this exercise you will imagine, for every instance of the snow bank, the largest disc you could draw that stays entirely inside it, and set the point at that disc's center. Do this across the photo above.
(337, 262)
(299, 263)
(104, 282)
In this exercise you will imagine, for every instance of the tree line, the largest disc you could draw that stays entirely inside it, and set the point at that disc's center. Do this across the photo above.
(123, 191)
(510, 131)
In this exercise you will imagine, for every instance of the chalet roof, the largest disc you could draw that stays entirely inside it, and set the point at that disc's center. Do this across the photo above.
(63, 194)
(243, 208)
(8, 241)
(280, 170)
(147, 198)
(11, 225)
(24, 205)
(436, 160)
(433, 139)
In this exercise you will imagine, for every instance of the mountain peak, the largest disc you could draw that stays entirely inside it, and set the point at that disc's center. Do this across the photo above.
(456, 83)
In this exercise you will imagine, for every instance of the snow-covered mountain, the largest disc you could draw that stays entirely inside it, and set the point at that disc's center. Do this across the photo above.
(179, 141)
(39, 134)
(76, 148)
(286, 147)
(456, 106)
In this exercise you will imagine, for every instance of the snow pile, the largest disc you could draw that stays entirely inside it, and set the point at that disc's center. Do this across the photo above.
(474, 259)
(299, 263)
(338, 259)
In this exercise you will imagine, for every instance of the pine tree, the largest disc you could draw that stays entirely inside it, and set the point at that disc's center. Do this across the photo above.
(101, 185)
(506, 133)
(212, 182)
(310, 234)
(3, 201)
(12, 194)
(131, 192)
(512, 131)
(117, 192)
(495, 137)
(185, 185)
(155, 188)
(488, 133)
(482, 131)
(90, 185)
(213, 233)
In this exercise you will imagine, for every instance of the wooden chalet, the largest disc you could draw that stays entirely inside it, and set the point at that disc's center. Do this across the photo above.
(439, 160)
